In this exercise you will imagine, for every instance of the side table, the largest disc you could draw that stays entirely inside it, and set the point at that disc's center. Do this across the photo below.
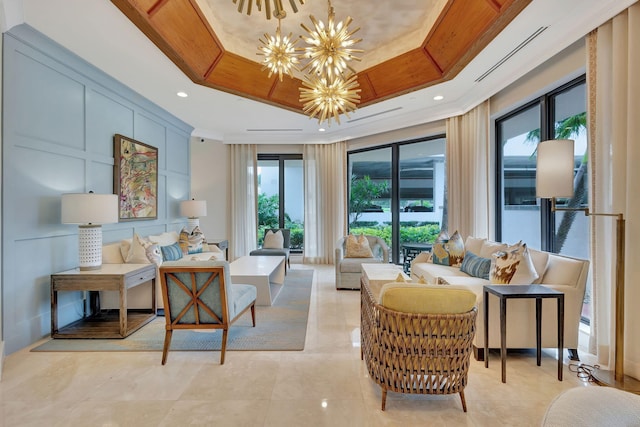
(505, 292)
(111, 277)
(412, 250)
(223, 244)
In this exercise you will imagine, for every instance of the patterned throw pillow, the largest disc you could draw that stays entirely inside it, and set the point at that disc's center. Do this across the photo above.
(449, 252)
(183, 241)
(171, 252)
(513, 266)
(440, 254)
(154, 254)
(273, 240)
(475, 266)
(196, 240)
(455, 247)
(358, 247)
(443, 236)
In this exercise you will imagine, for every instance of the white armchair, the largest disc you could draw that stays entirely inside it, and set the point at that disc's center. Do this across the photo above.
(348, 270)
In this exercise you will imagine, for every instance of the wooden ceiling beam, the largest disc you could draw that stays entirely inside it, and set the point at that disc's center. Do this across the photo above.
(181, 31)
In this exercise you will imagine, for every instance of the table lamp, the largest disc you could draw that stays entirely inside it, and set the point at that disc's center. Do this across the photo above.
(193, 210)
(89, 211)
(554, 178)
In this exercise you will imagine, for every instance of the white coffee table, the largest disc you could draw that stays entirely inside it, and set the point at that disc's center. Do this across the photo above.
(266, 273)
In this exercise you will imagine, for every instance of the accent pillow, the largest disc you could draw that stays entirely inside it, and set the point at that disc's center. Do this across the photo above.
(183, 240)
(273, 240)
(476, 266)
(443, 236)
(138, 251)
(358, 247)
(196, 240)
(440, 254)
(455, 247)
(171, 252)
(449, 252)
(512, 267)
(154, 254)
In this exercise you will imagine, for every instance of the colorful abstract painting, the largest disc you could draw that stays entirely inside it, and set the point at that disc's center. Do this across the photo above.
(135, 177)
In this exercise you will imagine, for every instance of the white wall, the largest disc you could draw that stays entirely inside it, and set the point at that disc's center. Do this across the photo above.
(210, 182)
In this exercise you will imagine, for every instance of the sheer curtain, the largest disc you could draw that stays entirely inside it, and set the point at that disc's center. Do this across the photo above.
(614, 130)
(325, 206)
(468, 178)
(243, 161)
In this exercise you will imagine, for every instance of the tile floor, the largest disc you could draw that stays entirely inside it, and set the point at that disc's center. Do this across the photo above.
(324, 385)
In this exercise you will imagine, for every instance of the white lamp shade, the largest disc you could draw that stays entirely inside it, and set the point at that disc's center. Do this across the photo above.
(193, 208)
(554, 168)
(89, 208)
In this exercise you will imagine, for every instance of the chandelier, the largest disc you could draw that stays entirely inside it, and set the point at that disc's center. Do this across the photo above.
(278, 10)
(331, 86)
(329, 47)
(326, 97)
(279, 53)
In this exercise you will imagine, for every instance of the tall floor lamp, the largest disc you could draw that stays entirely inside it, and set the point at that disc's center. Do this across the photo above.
(554, 178)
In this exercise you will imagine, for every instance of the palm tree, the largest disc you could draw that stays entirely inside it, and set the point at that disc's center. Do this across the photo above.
(565, 129)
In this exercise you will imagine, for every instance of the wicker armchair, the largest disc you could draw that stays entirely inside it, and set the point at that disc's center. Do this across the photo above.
(416, 353)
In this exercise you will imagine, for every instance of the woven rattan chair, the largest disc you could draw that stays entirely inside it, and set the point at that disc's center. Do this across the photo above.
(200, 295)
(416, 353)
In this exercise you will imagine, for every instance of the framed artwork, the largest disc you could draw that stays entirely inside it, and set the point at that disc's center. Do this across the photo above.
(135, 178)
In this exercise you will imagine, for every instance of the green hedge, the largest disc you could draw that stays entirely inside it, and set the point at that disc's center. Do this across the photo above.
(420, 234)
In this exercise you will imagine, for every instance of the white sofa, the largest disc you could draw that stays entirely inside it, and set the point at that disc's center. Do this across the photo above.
(565, 274)
(138, 297)
(349, 270)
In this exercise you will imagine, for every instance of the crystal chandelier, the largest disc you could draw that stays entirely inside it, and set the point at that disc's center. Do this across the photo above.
(278, 10)
(279, 53)
(331, 86)
(326, 97)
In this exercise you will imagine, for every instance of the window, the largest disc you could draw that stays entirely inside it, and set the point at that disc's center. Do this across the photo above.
(281, 196)
(560, 114)
(397, 192)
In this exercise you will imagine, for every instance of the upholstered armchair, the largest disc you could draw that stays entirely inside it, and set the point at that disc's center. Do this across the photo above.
(200, 295)
(268, 249)
(348, 270)
(418, 338)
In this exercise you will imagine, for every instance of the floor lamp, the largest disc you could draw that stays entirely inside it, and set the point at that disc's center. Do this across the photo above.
(554, 178)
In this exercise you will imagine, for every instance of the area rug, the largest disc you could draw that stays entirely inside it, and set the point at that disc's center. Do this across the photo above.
(280, 327)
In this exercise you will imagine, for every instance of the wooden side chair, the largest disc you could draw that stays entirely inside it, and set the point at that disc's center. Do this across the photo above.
(200, 295)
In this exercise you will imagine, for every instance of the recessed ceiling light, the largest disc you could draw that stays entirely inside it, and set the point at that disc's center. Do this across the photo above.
(438, 98)
(321, 130)
(182, 94)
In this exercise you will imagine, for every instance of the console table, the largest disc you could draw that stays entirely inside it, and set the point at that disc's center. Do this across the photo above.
(505, 292)
(111, 277)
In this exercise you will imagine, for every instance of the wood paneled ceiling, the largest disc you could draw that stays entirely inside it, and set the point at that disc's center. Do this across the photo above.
(181, 30)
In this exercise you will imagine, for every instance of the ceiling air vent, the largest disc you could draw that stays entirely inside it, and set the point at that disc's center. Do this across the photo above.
(374, 115)
(513, 52)
(274, 130)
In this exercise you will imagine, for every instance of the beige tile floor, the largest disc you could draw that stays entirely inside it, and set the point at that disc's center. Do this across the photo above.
(324, 385)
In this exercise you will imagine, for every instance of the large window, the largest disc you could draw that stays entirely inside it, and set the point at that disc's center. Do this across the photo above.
(281, 196)
(397, 192)
(560, 114)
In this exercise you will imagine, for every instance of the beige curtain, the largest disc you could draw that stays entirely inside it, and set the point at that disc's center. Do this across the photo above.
(325, 206)
(613, 75)
(243, 163)
(468, 172)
